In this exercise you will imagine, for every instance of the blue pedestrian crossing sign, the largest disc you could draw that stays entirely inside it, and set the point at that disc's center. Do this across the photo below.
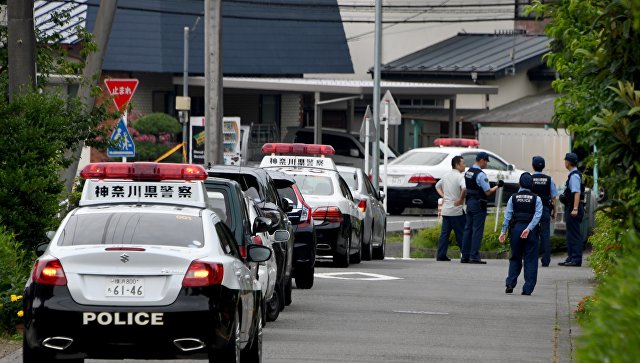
(124, 146)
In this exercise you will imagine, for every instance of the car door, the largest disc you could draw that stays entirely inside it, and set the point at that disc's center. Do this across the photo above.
(352, 209)
(377, 210)
(242, 272)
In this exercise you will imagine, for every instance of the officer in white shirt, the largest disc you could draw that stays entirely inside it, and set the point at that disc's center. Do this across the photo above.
(453, 191)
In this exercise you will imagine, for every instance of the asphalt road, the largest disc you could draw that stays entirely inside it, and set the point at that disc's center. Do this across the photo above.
(425, 311)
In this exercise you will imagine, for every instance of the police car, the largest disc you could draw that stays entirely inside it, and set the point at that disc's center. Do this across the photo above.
(411, 178)
(336, 216)
(142, 269)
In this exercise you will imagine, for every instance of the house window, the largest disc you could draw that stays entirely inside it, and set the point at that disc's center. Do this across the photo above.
(419, 103)
(163, 101)
(270, 109)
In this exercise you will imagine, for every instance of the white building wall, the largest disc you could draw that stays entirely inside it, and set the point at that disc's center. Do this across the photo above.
(510, 88)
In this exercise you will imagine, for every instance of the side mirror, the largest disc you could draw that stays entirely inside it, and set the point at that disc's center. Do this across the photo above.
(511, 167)
(281, 235)
(355, 153)
(41, 248)
(261, 224)
(287, 204)
(381, 196)
(258, 253)
(275, 219)
(51, 234)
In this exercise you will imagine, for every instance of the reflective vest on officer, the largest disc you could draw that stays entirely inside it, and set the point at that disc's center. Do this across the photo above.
(471, 182)
(524, 206)
(542, 187)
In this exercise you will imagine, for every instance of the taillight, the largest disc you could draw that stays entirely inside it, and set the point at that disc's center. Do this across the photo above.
(257, 240)
(203, 274)
(305, 213)
(329, 214)
(49, 272)
(422, 179)
(243, 251)
(362, 205)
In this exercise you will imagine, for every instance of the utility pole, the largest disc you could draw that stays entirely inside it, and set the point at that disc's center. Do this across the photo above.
(92, 72)
(186, 139)
(22, 47)
(213, 82)
(376, 95)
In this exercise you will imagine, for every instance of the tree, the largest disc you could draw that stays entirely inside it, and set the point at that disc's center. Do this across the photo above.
(596, 52)
(154, 135)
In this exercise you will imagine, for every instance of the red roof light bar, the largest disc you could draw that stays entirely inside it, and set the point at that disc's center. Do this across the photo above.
(297, 149)
(144, 171)
(456, 142)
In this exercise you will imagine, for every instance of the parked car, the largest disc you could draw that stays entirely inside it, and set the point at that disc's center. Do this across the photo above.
(349, 150)
(369, 201)
(413, 175)
(304, 246)
(337, 219)
(267, 271)
(259, 186)
(130, 272)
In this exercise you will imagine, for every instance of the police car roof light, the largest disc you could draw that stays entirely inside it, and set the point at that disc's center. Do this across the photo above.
(297, 149)
(144, 171)
(456, 142)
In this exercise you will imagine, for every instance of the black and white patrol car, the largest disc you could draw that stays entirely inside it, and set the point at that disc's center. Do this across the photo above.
(337, 219)
(142, 269)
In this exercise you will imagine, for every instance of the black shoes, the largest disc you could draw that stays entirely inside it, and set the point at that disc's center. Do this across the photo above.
(546, 264)
(570, 263)
(478, 262)
(508, 290)
(443, 259)
(526, 293)
(464, 260)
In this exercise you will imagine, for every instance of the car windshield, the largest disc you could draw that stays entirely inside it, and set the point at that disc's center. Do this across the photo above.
(314, 184)
(428, 158)
(350, 178)
(133, 229)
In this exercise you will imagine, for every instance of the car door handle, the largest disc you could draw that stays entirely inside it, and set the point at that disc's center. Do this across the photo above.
(238, 273)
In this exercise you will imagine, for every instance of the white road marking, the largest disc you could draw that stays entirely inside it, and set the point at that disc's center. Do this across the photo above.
(419, 312)
(353, 276)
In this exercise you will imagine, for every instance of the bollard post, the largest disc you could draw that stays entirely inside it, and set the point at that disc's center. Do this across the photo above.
(406, 241)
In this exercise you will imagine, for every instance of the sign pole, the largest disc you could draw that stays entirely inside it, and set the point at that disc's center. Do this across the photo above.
(126, 124)
(366, 146)
(386, 144)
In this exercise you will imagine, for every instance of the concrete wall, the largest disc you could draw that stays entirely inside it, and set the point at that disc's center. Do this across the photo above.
(291, 112)
(142, 99)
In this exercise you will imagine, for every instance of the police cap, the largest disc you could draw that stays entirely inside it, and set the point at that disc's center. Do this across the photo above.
(526, 180)
(482, 156)
(538, 162)
(572, 158)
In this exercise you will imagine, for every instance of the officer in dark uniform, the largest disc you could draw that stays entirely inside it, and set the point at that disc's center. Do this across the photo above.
(478, 190)
(521, 219)
(572, 197)
(545, 188)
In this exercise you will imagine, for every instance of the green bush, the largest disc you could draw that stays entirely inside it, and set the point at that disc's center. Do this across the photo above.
(428, 237)
(16, 265)
(611, 333)
(606, 245)
(149, 151)
(157, 123)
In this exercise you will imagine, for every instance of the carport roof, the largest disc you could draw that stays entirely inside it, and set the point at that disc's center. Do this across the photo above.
(344, 86)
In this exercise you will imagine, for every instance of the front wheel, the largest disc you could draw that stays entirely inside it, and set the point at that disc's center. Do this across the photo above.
(273, 304)
(342, 260)
(287, 292)
(304, 277)
(357, 257)
(379, 252)
(395, 211)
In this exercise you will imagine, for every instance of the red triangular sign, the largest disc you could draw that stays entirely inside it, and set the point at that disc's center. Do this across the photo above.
(122, 90)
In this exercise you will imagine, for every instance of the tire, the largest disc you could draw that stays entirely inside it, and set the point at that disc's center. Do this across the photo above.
(357, 257)
(253, 353)
(304, 277)
(379, 252)
(287, 292)
(30, 355)
(395, 211)
(231, 353)
(273, 304)
(263, 310)
(342, 260)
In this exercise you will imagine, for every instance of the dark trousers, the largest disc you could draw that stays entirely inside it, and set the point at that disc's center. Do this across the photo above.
(545, 236)
(473, 230)
(574, 236)
(523, 250)
(455, 223)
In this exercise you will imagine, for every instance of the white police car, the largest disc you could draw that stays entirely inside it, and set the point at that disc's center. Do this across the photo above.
(336, 216)
(142, 269)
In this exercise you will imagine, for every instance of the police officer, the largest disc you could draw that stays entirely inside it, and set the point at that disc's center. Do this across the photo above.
(478, 190)
(573, 211)
(521, 218)
(545, 188)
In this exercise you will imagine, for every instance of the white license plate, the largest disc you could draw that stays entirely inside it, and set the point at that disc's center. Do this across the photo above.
(124, 287)
(396, 180)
